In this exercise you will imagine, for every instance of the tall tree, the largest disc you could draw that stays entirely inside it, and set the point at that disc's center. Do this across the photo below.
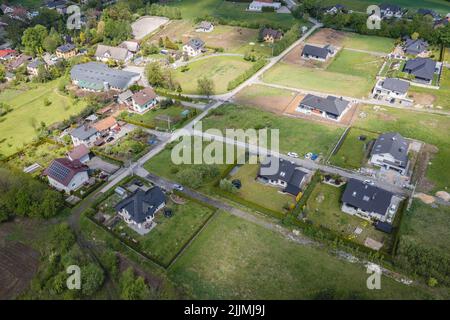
(33, 39)
(205, 86)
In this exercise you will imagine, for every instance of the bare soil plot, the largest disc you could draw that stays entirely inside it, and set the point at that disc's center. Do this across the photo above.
(18, 265)
(328, 36)
(147, 25)
(421, 98)
(294, 57)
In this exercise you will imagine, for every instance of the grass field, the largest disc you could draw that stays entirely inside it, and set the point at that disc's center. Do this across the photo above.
(235, 259)
(347, 69)
(220, 69)
(192, 9)
(351, 153)
(19, 126)
(264, 195)
(296, 135)
(441, 6)
(323, 208)
(150, 118)
(368, 43)
(431, 128)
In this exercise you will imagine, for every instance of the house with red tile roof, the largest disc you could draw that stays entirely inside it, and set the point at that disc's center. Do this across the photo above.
(7, 54)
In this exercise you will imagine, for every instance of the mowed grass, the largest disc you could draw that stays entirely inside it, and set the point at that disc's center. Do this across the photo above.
(192, 9)
(428, 226)
(323, 208)
(351, 153)
(442, 96)
(236, 259)
(430, 128)
(264, 195)
(155, 117)
(368, 43)
(220, 70)
(296, 135)
(350, 74)
(19, 126)
(442, 6)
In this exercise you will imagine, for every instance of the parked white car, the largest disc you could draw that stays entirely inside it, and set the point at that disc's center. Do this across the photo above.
(369, 182)
(292, 154)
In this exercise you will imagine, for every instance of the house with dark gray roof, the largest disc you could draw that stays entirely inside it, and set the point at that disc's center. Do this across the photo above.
(84, 134)
(423, 69)
(389, 10)
(337, 8)
(390, 151)
(330, 107)
(67, 175)
(66, 51)
(194, 47)
(368, 201)
(288, 175)
(270, 35)
(33, 66)
(414, 47)
(95, 76)
(140, 208)
(318, 53)
(391, 88)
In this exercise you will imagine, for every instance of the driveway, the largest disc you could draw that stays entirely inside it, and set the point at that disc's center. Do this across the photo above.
(98, 163)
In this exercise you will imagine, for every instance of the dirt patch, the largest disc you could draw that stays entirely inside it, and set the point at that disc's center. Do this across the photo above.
(328, 36)
(18, 265)
(294, 57)
(425, 99)
(425, 198)
(147, 25)
(424, 157)
(274, 104)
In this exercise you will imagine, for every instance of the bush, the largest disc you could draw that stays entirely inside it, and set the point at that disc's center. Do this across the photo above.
(247, 74)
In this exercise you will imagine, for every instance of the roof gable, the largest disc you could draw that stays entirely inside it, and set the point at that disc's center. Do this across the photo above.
(64, 170)
(142, 204)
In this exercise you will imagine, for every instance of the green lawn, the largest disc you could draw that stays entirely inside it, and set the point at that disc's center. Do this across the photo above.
(441, 6)
(19, 126)
(351, 153)
(368, 43)
(193, 9)
(323, 208)
(347, 69)
(431, 128)
(130, 147)
(220, 69)
(442, 95)
(296, 135)
(155, 117)
(236, 259)
(264, 195)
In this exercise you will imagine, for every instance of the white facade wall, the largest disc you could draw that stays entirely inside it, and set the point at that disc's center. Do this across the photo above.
(77, 181)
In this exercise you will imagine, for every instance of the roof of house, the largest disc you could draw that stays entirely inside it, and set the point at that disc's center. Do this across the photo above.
(125, 95)
(205, 25)
(415, 46)
(56, 4)
(330, 104)
(83, 132)
(6, 52)
(78, 152)
(396, 85)
(430, 12)
(337, 6)
(392, 143)
(105, 124)
(66, 47)
(115, 53)
(276, 34)
(390, 6)
(366, 197)
(35, 64)
(63, 170)
(421, 67)
(98, 74)
(144, 96)
(196, 43)
(21, 59)
(317, 51)
(132, 46)
(142, 204)
(287, 171)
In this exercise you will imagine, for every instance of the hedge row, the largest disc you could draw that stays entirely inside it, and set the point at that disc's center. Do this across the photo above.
(247, 74)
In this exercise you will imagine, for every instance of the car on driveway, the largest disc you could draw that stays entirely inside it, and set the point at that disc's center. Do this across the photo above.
(178, 187)
(110, 139)
(292, 154)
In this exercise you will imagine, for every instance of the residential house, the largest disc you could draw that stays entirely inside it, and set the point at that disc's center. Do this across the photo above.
(84, 134)
(270, 35)
(261, 4)
(131, 45)
(66, 175)
(388, 11)
(414, 47)
(16, 12)
(143, 100)
(390, 151)
(118, 54)
(330, 107)
(21, 60)
(59, 5)
(423, 69)
(66, 51)
(205, 26)
(7, 54)
(194, 47)
(139, 208)
(429, 13)
(106, 125)
(441, 23)
(369, 202)
(49, 59)
(96, 76)
(33, 67)
(80, 153)
(289, 176)
(337, 8)
(318, 53)
(391, 88)
(125, 97)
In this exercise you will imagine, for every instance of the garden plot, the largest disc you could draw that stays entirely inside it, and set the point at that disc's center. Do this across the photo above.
(147, 25)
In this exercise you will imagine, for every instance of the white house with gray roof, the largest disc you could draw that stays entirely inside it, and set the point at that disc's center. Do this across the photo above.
(84, 134)
(391, 88)
(330, 107)
(390, 151)
(318, 53)
(95, 76)
(193, 47)
(105, 53)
